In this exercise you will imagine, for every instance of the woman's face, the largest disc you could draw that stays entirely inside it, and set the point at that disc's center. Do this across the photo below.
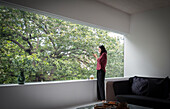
(100, 50)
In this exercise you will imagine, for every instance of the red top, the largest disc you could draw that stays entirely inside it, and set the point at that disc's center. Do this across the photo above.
(101, 62)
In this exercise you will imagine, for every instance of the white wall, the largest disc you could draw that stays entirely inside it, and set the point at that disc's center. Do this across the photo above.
(147, 48)
(48, 95)
(91, 12)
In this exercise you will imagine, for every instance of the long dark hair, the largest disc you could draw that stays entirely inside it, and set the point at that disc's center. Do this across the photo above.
(102, 49)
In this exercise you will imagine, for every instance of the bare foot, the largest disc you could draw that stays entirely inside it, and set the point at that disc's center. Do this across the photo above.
(103, 101)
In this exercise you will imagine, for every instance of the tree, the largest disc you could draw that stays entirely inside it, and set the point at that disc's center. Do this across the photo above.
(51, 49)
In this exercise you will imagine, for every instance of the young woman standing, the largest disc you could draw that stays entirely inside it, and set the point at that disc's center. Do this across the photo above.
(101, 64)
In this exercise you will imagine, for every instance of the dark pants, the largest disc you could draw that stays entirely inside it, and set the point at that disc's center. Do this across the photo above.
(100, 85)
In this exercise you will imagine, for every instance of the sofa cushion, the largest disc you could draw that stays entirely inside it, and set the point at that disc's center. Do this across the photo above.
(140, 86)
(158, 88)
(122, 87)
(152, 87)
(155, 103)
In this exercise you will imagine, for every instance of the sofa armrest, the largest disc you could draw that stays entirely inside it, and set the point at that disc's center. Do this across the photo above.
(114, 88)
(110, 94)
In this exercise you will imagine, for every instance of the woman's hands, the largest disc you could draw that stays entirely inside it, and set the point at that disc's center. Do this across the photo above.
(95, 55)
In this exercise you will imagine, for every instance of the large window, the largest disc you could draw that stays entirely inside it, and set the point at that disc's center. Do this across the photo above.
(50, 49)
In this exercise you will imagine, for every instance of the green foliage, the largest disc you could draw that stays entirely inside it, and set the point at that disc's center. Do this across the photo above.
(51, 49)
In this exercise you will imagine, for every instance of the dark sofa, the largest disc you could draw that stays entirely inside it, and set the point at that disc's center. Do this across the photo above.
(143, 91)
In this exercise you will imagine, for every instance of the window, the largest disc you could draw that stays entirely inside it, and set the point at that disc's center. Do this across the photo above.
(50, 49)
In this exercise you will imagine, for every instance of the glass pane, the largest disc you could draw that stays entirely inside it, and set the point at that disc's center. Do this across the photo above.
(49, 49)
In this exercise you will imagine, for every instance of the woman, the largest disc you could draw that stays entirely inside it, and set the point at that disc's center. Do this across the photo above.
(101, 64)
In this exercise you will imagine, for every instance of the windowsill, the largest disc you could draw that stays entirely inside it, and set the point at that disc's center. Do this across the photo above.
(47, 82)
(57, 82)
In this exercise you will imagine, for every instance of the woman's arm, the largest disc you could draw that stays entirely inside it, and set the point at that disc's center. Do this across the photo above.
(104, 58)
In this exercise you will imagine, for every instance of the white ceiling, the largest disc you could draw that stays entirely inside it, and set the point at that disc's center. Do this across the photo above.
(128, 6)
(135, 6)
